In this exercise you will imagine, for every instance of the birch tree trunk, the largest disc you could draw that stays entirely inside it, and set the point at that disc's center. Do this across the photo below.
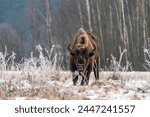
(48, 23)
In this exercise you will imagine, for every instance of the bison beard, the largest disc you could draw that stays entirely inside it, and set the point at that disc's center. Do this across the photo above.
(84, 56)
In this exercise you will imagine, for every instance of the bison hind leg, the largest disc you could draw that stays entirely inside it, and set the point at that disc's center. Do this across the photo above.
(96, 72)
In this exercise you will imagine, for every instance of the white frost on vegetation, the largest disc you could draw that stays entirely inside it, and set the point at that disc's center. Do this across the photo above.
(41, 78)
(60, 86)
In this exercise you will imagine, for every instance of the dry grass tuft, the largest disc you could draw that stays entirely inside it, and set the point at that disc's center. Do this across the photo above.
(135, 97)
(115, 76)
(2, 94)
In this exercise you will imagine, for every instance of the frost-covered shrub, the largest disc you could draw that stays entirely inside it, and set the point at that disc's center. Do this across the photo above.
(52, 59)
(116, 65)
(147, 59)
(42, 67)
(30, 75)
(38, 69)
(7, 61)
(146, 65)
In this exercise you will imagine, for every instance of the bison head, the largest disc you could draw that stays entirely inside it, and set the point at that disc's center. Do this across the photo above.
(81, 54)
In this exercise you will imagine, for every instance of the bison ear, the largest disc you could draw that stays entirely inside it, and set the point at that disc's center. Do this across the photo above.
(72, 54)
(69, 47)
(91, 54)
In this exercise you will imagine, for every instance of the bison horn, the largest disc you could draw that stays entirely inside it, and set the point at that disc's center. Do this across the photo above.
(69, 48)
(94, 48)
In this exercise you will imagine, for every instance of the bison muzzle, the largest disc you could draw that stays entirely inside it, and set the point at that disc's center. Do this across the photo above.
(84, 56)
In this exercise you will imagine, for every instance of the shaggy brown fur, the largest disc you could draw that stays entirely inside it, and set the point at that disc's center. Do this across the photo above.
(84, 56)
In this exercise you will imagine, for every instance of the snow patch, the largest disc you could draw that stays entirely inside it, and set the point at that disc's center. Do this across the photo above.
(58, 85)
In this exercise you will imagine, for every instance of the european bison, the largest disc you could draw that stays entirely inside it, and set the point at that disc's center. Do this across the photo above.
(84, 56)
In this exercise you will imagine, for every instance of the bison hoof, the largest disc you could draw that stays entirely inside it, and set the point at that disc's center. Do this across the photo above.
(84, 83)
(74, 84)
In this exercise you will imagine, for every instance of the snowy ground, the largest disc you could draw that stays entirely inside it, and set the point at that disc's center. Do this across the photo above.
(58, 85)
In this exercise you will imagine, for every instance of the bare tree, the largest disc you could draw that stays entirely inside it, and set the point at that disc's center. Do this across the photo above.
(48, 22)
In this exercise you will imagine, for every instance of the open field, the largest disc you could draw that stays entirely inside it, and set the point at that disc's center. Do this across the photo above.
(58, 85)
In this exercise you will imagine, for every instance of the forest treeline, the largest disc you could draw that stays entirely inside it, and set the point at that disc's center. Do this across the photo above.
(119, 25)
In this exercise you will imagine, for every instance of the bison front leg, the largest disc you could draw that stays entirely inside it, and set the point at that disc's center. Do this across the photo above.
(73, 69)
(74, 78)
(85, 78)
